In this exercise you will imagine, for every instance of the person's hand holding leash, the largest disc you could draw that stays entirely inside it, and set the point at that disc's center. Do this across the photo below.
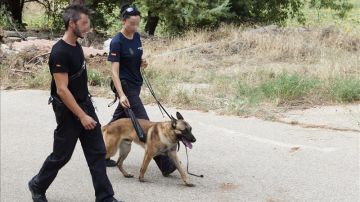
(88, 122)
(144, 63)
(124, 101)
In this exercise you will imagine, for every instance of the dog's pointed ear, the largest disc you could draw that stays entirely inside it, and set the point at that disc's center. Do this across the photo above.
(179, 116)
(173, 122)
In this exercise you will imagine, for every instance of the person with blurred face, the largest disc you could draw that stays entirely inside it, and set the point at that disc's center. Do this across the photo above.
(74, 112)
(126, 59)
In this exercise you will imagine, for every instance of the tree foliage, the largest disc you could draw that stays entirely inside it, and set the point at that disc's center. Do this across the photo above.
(175, 16)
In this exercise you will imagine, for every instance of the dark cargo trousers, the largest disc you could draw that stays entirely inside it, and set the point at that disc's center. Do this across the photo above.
(69, 129)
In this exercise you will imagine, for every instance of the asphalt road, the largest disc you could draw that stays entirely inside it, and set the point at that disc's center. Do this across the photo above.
(241, 159)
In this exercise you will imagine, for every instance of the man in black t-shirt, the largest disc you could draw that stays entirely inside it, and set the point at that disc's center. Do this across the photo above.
(74, 112)
(67, 58)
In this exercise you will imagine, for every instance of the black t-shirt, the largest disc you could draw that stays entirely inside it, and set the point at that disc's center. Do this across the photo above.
(128, 53)
(70, 59)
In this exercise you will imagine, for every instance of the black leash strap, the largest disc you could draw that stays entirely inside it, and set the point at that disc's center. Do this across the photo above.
(153, 94)
(93, 102)
(140, 133)
(187, 165)
(77, 74)
(82, 69)
(112, 102)
(129, 112)
(113, 89)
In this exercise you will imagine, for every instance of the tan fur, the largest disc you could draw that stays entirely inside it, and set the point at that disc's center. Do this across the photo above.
(161, 139)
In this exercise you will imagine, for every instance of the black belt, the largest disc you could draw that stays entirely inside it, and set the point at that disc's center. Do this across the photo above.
(53, 98)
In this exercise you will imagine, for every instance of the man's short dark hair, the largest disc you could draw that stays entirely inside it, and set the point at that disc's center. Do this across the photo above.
(73, 13)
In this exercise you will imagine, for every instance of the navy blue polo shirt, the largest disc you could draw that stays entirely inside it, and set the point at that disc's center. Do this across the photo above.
(128, 53)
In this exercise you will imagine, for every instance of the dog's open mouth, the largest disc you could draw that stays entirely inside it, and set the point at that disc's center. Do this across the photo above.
(186, 143)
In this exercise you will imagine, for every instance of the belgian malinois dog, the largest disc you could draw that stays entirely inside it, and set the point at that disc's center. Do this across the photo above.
(162, 138)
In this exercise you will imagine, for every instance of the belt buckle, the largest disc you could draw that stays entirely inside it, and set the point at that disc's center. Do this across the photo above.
(51, 99)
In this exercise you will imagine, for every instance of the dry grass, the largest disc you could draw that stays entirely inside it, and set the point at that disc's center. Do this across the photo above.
(236, 70)
(321, 52)
(228, 70)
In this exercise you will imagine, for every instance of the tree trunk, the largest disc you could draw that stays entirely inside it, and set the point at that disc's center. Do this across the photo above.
(15, 8)
(151, 23)
(76, 2)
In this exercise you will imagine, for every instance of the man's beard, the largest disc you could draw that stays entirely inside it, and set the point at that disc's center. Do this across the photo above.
(77, 32)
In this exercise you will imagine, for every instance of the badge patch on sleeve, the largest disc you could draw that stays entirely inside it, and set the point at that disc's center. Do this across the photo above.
(58, 65)
(113, 54)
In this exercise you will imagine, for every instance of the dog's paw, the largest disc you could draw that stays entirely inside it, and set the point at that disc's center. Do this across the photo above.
(141, 179)
(190, 185)
(128, 175)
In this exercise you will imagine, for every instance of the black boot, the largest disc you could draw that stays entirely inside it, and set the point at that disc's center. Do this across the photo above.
(110, 163)
(37, 196)
(165, 164)
(115, 200)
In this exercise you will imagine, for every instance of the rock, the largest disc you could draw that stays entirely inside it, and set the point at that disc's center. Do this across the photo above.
(107, 45)
(6, 50)
(14, 34)
(32, 38)
(12, 39)
(43, 46)
(92, 52)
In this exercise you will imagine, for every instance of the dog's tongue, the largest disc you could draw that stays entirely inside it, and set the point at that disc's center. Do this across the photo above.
(187, 143)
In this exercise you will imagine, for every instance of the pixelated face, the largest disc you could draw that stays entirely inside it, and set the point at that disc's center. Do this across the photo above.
(131, 24)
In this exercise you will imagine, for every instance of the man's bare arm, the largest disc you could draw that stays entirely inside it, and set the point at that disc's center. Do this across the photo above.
(61, 81)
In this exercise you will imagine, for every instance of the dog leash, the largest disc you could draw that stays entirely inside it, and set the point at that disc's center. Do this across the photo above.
(161, 108)
(187, 165)
(93, 102)
(113, 89)
(135, 122)
(129, 112)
